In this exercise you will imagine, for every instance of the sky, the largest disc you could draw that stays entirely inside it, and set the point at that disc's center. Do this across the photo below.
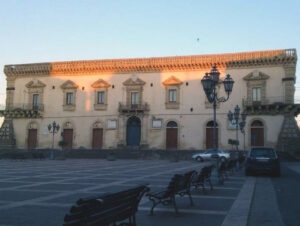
(34, 31)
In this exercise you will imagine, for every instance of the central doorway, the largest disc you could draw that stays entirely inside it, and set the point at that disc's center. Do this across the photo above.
(133, 131)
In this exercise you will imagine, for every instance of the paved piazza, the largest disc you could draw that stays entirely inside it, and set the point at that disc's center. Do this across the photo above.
(41, 192)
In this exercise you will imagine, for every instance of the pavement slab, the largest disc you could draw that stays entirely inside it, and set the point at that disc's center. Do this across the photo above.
(48, 189)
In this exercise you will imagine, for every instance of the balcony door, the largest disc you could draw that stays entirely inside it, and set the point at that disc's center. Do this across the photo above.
(134, 100)
(133, 131)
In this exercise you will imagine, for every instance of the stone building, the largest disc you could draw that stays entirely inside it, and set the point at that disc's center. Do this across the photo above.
(155, 103)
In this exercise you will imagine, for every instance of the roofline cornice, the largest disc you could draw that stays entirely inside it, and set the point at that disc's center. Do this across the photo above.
(161, 64)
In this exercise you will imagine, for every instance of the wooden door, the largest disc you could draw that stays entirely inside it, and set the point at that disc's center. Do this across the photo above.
(68, 138)
(257, 136)
(210, 137)
(171, 138)
(32, 138)
(133, 131)
(97, 138)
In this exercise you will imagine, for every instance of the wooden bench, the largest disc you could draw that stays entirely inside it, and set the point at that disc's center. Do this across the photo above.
(106, 209)
(202, 178)
(179, 185)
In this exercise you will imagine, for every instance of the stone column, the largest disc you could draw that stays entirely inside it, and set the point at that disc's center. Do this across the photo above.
(122, 131)
(288, 83)
(10, 90)
(144, 130)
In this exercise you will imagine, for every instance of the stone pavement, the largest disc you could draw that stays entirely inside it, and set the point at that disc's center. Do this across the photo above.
(41, 192)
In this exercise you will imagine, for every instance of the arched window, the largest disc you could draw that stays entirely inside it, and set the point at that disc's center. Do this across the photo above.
(211, 124)
(257, 123)
(172, 124)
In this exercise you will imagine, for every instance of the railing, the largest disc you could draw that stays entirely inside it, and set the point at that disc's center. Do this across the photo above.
(268, 100)
(16, 107)
(133, 107)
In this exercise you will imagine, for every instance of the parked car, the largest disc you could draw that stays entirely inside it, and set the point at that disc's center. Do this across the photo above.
(262, 159)
(211, 153)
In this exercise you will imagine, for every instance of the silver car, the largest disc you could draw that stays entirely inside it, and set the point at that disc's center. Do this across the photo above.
(207, 155)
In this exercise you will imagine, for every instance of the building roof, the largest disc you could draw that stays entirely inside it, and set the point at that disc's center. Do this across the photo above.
(161, 64)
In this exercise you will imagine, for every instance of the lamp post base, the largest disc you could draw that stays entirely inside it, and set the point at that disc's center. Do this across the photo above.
(52, 155)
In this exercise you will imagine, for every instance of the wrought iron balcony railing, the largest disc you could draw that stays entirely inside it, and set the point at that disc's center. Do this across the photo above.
(124, 108)
(18, 107)
(267, 101)
(22, 111)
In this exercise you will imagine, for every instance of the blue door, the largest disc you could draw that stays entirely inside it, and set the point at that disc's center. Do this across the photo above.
(133, 131)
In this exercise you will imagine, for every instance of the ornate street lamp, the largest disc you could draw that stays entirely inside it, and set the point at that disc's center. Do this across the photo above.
(54, 128)
(209, 82)
(236, 117)
(242, 125)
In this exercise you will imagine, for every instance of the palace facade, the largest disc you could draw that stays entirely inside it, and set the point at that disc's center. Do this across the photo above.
(155, 103)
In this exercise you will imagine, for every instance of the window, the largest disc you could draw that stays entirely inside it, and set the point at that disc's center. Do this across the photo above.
(100, 98)
(172, 95)
(69, 100)
(256, 94)
(134, 98)
(35, 100)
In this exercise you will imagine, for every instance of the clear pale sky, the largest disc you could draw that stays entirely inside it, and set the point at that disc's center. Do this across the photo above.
(52, 30)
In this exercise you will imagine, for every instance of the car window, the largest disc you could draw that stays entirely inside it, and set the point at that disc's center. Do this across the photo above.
(262, 153)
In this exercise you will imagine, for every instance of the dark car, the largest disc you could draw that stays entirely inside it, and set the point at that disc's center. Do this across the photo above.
(262, 159)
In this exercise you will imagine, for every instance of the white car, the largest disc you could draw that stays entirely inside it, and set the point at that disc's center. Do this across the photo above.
(207, 155)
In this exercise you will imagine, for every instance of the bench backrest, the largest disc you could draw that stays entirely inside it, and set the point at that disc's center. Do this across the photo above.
(179, 182)
(107, 208)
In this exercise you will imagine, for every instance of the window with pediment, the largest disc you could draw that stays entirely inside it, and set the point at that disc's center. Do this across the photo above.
(101, 93)
(134, 92)
(69, 95)
(256, 87)
(35, 90)
(172, 88)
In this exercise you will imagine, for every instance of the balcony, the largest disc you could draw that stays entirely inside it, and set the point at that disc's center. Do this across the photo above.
(270, 106)
(22, 111)
(133, 108)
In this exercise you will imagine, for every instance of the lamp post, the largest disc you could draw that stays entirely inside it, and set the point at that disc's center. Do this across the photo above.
(242, 126)
(237, 122)
(209, 83)
(54, 128)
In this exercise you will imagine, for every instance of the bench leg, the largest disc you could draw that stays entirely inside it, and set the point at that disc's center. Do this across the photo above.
(191, 200)
(211, 186)
(174, 203)
(154, 203)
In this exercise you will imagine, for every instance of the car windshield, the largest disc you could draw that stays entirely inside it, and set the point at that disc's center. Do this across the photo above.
(262, 153)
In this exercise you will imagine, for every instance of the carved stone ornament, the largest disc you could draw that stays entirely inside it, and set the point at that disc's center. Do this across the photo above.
(100, 83)
(172, 81)
(134, 82)
(35, 84)
(69, 85)
(256, 75)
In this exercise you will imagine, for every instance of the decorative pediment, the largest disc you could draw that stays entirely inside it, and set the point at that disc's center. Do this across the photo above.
(69, 85)
(134, 81)
(172, 81)
(101, 84)
(35, 84)
(256, 75)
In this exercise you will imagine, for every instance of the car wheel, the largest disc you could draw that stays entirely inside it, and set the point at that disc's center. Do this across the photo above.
(199, 159)
(223, 159)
